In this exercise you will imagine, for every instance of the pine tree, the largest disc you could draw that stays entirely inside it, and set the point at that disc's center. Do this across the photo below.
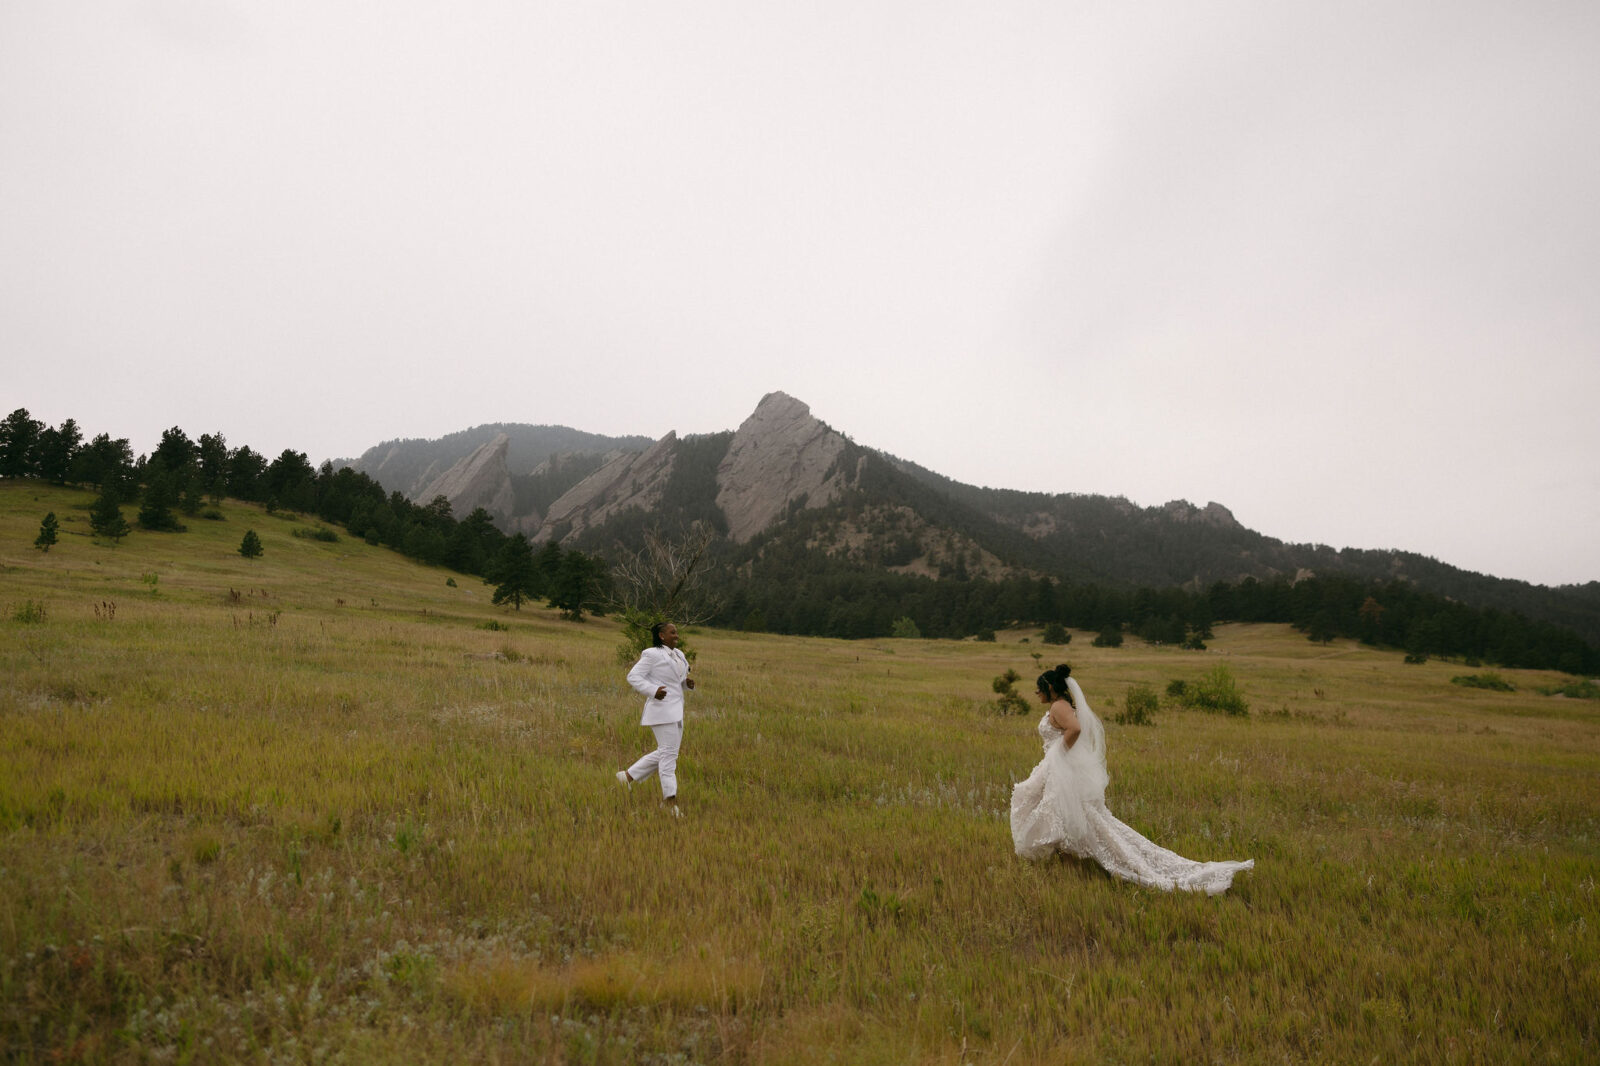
(19, 444)
(159, 497)
(47, 533)
(546, 568)
(250, 546)
(105, 517)
(56, 450)
(575, 584)
(514, 573)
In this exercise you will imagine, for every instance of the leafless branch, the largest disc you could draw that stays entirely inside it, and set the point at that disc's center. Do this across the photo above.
(667, 576)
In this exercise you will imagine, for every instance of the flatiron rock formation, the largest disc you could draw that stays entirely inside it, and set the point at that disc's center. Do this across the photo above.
(479, 480)
(628, 479)
(780, 454)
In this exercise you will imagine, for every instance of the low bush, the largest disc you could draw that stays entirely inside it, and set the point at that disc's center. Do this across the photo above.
(1141, 705)
(1109, 638)
(1489, 680)
(1216, 692)
(30, 613)
(1010, 701)
(905, 628)
(322, 533)
(1581, 689)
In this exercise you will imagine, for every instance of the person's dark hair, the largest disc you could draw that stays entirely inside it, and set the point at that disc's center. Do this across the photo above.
(655, 634)
(1053, 683)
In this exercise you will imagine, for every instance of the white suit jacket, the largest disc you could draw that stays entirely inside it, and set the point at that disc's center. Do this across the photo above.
(659, 667)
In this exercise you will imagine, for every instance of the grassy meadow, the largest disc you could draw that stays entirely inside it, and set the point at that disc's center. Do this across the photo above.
(324, 806)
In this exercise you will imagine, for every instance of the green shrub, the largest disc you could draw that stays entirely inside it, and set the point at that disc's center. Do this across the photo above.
(1056, 633)
(636, 625)
(1178, 689)
(1141, 706)
(322, 533)
(1216, 692)
(1489, 680)
(1110, 637)
(30, 613)
(1581, 689)
(1010, 701)
(906, 629)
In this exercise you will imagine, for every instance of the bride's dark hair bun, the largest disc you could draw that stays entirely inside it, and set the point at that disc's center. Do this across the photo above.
(1054, 682)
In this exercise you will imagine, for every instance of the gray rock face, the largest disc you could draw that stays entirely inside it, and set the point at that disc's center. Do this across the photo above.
(479, 480)
(1214, 514)
(778, 455)
(628, 479)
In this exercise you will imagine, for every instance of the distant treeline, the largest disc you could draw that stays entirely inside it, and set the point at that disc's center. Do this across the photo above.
(820, 600)
(778, 583)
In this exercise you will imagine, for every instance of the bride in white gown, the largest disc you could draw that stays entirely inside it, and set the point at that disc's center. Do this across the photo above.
(1062, 804)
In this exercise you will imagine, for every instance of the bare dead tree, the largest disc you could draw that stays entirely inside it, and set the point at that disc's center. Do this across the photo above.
(667, 577)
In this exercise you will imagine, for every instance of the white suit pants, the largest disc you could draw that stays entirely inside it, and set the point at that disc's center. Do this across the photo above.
(664, 760)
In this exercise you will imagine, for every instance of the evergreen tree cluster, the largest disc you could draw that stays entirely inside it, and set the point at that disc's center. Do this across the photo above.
(807, 593)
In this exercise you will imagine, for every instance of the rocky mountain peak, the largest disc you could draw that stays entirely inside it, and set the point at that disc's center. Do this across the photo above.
(780, 454)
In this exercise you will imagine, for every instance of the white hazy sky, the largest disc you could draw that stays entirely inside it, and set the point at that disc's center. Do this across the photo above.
(1336, 266)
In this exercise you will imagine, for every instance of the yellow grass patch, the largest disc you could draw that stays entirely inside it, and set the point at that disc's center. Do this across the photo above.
(705, 978)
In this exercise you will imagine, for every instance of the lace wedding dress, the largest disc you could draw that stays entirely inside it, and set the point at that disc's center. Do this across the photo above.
(1062, 807)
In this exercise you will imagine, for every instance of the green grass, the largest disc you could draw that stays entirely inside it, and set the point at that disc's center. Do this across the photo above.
(310, 808)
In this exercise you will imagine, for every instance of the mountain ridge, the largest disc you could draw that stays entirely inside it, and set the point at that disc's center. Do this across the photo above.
(407, 464)
(866, 508)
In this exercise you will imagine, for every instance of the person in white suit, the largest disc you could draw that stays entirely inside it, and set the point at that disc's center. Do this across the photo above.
(661, 675)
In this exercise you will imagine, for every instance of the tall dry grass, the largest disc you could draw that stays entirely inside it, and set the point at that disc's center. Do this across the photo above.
(306, 809)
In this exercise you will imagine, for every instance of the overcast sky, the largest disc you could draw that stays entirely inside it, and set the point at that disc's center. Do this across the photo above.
(1335, 266)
